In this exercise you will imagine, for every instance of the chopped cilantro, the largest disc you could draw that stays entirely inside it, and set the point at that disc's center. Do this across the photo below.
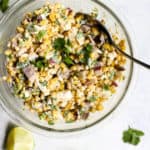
(79, 35)
(42, 116)
(53, 98)
(36, 92)
(40, 35)
(64, 47)
(31, 28)
(92, 99)
(112, 75)
(70, 121)
(40, 63)
(53, 107)
(66, 113)
(132, 136)
(68, 61)
(86, 51)
(44, 83)
(88, 47)
(21, 65)
(9, 56)
(50, 122)
(106, 87)
(17, 88)
(68, 42)
(59, 43)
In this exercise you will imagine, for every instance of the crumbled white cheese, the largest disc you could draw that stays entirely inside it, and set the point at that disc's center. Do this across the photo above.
(80, 38)
(112, 56)
(80, 94)
(64, 97)
(42, 88)
(26, 94)
(33, 56)
(21, 51)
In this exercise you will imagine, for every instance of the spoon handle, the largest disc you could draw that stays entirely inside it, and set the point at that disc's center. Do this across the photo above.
(131, 58)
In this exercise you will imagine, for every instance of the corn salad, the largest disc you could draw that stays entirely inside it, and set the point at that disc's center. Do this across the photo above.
(60, 66)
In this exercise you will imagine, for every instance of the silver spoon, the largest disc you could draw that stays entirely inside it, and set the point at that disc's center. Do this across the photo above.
(95, 23)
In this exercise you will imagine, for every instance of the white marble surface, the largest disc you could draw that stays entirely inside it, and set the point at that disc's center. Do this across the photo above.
(134, 111)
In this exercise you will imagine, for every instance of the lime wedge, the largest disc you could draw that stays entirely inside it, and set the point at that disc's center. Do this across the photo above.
(20, 139)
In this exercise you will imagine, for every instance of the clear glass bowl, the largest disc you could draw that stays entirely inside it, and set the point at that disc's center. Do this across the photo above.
(14, 106)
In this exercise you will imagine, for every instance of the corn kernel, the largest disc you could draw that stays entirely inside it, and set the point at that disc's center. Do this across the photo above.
(113, 90)
(52, 17)
(73, 68)
(95, 31)
(99, 107)
(68, 106)
(44, 22)
(122, 45)
(20, 29)
(38, 12)
(62, 65)
(61, 87)
(55, 114)
(8, 52)
(92, 55)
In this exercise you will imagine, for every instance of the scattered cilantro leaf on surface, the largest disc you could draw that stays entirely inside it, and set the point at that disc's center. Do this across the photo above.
(132, 136)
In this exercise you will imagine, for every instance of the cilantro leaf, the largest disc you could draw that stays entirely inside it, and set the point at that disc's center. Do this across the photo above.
(92, 99)
(50, 122)
(70, 121)
(21, 65)
(68, 42)
(59, 43)
(53, 107)
(68, 61)
(79, 35)
(31, 28)
(40, 35)
(42, 116)
(40, 63)
(106, 87)
(4, 5)
(44, 83)
(132, 136)
(137, 132)
(64, 47)
(87, 51)
(126, 136)
(89, 47)
(135, 140)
